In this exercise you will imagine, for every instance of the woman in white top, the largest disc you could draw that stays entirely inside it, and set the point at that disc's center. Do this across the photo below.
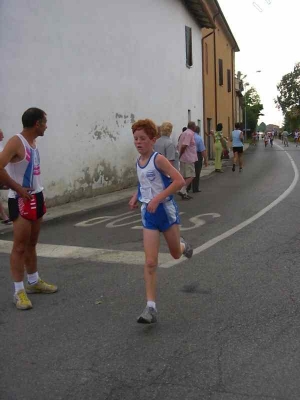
(237, 147)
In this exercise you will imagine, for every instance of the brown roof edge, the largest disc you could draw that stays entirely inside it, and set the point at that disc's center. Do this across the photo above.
(200, 12)
(227, 26)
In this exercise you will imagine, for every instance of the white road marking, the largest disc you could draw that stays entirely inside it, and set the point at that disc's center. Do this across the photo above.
(114, 221)
(247, 222)
(88, 254)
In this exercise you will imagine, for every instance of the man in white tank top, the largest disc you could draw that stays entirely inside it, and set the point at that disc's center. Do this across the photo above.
(26, 204)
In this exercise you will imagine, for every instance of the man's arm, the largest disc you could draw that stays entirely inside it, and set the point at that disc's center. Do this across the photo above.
(182, 150)
(170, 153)
(185, 143)
(13, 149)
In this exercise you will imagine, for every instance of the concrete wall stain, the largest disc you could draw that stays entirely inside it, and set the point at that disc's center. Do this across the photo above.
(122, 120)
(101, 132)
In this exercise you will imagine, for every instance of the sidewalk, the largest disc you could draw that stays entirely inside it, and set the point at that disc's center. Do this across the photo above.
(104, 199)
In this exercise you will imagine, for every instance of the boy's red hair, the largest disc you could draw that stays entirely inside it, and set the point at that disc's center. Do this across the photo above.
(148, 125)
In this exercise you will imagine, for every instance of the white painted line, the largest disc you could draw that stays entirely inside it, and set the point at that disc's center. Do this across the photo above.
(88, 254)
(242, 225)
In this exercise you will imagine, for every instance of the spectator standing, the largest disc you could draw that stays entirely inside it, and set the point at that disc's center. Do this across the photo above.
(218, 139)
(187, 157)
(164, 144)
(201, 154)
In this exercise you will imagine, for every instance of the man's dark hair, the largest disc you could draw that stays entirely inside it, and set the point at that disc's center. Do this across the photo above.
(237, 126)
(197, 130)
(219, 127)
(184, 129)
(31, 116)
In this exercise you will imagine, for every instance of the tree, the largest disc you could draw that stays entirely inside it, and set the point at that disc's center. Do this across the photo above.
(253, 108)
(289, 92)
(291, 121)
(262, 127)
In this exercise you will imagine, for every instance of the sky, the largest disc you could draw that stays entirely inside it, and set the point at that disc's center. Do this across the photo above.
(268, 41)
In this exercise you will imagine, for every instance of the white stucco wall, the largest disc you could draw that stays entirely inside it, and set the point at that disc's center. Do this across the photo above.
(94, 67)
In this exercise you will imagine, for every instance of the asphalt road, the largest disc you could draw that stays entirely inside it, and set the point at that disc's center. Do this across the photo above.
(228, 318)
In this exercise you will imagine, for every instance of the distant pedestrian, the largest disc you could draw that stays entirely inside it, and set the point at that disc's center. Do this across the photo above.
(158, 181)
(202, 155)
(266, 138)
(296, 138)
(187, 158)
(285, 136)
(271, 137)
(237, 139)
(164, 144)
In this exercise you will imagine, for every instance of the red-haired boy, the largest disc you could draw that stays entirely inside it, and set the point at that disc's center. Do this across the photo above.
(158, 181)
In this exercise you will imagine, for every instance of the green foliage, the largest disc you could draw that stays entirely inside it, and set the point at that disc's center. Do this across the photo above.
(289, 91)
(292, 119)
(253, 108)
(262, 127)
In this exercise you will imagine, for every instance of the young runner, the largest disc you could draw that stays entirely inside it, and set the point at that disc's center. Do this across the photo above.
(158, 181)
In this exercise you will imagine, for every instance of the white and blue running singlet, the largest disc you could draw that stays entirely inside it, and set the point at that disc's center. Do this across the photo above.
(26, 172)
(152, 182)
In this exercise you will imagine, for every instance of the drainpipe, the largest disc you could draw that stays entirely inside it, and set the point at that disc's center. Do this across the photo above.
(203, 96)
(215, 68)
(233, 92)
(216, 91)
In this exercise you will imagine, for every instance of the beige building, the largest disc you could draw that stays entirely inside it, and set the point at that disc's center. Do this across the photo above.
(219, 91)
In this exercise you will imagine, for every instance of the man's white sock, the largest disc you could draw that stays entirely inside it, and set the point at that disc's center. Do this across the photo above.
(19, 286)
(33, 278)
(151, 304)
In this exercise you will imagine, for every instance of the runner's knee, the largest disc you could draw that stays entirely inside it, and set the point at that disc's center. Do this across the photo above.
(151, 264)
(19, 248)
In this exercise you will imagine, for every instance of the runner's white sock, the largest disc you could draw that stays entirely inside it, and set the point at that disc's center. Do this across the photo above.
(151, 304)
(19, 286)
(33, 278)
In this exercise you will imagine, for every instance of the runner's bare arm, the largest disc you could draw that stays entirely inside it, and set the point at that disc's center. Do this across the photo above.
(13, 151)
(177, 182)
(133, 201)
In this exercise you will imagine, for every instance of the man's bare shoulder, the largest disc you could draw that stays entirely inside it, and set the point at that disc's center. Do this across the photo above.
(13, 150)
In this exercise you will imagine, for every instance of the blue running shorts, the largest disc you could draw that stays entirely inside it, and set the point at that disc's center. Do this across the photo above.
(164, 217)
